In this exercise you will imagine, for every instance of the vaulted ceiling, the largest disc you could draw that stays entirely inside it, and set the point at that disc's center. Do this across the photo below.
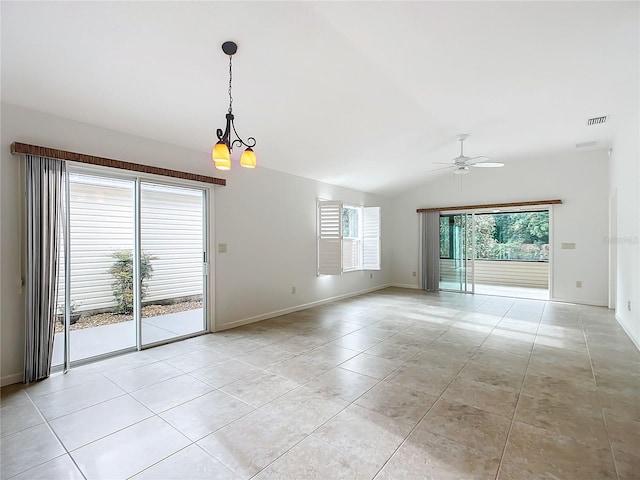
(366, 95)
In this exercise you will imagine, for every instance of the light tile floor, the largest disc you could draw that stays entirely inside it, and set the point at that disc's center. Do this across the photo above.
(396, 384)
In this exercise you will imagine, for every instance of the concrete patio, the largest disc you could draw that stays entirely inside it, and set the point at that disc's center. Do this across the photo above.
(91, 342)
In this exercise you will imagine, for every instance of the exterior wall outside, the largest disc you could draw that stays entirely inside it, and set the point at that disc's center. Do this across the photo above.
(101, 213)
(172, 231)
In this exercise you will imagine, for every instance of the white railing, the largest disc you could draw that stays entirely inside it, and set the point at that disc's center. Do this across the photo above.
(500, 272)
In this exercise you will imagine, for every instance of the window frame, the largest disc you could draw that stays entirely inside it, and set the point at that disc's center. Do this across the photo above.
(332, 239)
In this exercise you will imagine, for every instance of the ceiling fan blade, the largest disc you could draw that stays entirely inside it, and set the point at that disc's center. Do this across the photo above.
(474, 160)
(488, 164)
(443, 163)
(442, 168)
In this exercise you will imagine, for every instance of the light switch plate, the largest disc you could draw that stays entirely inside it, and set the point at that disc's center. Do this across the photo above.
(222, 248)
(568, 246)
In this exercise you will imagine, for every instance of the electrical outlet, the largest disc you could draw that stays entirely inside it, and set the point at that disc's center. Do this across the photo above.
(629, 305)
(222, 248)
(293, 290)
(414, 274)
(578, 283)
(371, 275)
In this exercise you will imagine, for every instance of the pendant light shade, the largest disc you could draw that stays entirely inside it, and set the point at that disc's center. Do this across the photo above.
(248, 159)
(221, 156)
(222, 150)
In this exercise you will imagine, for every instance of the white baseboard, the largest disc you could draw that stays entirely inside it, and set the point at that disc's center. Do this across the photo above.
(635, 341)
(10, 379)
(296, 308)
(578, 302)
(405, 285)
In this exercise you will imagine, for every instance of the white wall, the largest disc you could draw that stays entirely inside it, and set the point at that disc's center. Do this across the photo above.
(266, 218)
(625, 184)
(579, 180)
(268, 222)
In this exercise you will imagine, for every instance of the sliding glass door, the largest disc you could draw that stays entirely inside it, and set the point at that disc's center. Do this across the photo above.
(101, 230)
(133, 268)
(456, 252)
(496, 252)
(172, 237)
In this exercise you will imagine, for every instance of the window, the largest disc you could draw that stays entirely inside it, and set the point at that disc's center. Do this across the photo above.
(348, 238)
(351, 240)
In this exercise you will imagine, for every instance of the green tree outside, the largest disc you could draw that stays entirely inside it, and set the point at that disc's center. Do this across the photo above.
(501, 236)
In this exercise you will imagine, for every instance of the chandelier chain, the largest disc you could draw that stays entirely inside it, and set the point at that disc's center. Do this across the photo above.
(230, 77)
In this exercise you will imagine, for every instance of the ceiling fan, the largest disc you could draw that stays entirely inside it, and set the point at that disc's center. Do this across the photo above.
(461, 164)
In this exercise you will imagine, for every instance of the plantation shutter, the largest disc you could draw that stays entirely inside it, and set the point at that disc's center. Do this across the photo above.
(371, 238)
(329, 237)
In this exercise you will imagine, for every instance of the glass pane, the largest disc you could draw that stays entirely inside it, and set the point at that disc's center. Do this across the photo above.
(172, 276)
(58, 338)
(445, 238)
(522, 236)
(512, 254)
(455, 231)
(351, 222)
(101, 226)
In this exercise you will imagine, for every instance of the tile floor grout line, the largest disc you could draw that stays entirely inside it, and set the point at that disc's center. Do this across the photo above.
(595, 381)
(353, 402)
(53, 432)
(515, 410)
(221, 461)
(124, 392)
(404, 441)
(44, 420)
(280, 396)
(308, 435)
(153, 414)
(68, 452)
(168, 456)
(495, 327)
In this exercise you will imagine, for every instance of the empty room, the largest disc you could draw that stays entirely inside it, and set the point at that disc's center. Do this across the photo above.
(320, 240)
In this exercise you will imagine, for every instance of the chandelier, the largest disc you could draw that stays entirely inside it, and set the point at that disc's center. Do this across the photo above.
(221, 153)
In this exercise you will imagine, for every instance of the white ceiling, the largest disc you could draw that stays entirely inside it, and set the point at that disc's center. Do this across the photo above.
(365, 95)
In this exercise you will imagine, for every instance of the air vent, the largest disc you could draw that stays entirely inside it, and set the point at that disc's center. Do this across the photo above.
(597, 120)
(586, 144)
